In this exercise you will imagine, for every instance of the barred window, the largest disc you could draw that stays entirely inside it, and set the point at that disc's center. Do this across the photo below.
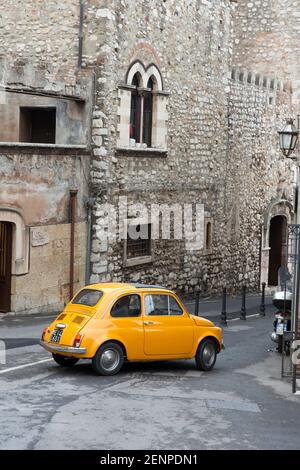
(138, 241)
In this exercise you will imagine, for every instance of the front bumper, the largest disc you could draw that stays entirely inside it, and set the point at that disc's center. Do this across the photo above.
(62, 349)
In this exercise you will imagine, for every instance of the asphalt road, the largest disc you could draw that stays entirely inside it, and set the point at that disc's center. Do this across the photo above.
(242, 404)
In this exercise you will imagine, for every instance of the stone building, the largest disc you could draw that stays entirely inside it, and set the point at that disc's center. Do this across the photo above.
(156, 103)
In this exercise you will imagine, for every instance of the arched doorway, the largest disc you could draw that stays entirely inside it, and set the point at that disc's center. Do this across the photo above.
(6, 232)
(277, 243)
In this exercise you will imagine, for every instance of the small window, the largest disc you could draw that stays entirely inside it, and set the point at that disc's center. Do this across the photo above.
(208, 237)
(138, 246)
(88, 297)
(128, 306)
(162, 305)
(38, 125)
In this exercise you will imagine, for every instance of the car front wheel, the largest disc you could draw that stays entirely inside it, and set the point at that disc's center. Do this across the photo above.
(64, 360)
(206, 355)
(109, 359)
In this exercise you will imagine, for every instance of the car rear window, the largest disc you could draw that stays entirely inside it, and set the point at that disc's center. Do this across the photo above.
(88, 297)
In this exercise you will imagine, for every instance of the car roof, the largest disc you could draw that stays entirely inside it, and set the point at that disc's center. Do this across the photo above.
(120, 286)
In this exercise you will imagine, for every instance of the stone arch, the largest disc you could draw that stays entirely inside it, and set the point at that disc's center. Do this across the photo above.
(20, 254)
(151, 72)
(277, 207)
(137, 67)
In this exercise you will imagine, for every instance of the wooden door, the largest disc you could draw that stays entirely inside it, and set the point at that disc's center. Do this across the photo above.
(5, 265)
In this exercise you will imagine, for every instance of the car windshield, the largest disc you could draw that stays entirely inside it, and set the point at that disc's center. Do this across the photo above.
(88, 297)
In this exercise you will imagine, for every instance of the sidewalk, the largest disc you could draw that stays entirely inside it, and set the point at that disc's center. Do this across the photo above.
(212, 307)
(208, 308)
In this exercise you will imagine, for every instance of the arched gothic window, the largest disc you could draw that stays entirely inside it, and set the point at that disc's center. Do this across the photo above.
(142, 111)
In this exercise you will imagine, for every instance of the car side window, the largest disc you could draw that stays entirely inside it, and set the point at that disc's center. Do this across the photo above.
(174, 307)
(127, 306)
(157, 305)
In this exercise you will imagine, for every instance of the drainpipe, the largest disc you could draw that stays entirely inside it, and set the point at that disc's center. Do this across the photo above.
(80, 37)
(73, 206)
(90, 204)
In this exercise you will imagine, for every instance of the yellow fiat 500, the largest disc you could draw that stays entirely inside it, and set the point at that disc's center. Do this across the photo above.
(110, 323)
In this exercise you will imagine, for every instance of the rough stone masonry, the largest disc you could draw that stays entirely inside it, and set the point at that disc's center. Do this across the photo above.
(219, 95)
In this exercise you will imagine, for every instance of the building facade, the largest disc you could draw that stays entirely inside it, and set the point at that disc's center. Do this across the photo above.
(139, 111)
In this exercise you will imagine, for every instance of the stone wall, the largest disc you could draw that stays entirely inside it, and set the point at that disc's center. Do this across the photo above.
(222, 147)
(39, 40)
(266, 38)
(193, 171)
(257, 175)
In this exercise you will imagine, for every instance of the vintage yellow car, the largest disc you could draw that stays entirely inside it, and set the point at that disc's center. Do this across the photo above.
(113, 322)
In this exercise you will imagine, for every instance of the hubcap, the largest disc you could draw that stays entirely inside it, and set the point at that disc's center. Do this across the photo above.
(110, 359)
(209, 355)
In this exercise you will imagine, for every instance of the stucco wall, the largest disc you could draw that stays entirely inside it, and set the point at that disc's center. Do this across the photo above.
(46, 287)
(35, 184)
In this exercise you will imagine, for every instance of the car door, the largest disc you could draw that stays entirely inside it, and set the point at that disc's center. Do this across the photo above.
(169, 330)
(126, 324)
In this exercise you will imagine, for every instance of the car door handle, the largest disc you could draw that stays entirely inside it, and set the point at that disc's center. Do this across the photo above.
(147, 323)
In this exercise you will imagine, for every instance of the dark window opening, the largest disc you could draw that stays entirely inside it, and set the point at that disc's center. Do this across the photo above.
(38, 125)
(135, 111)
(140, 246)
(148, 113)
(208, 236)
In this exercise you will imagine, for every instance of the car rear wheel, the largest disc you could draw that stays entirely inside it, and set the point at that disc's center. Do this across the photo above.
(64, 360)
(109, 359)
(206, 355)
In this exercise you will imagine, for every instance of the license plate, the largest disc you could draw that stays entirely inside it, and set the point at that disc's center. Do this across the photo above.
(279, 329)
(56, 335)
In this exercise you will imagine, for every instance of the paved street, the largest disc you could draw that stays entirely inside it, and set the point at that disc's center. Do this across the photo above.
(241, 404)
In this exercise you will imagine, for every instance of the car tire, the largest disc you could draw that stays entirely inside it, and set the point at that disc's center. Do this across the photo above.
(109, 359)
(64, 360)
(206, 355)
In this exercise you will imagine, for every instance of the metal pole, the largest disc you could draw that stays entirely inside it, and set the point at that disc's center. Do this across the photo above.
(73, 196)
(224, 313)
(243, 309)
(197, 304)
(90, 204)
(262, 308)
(80, 36)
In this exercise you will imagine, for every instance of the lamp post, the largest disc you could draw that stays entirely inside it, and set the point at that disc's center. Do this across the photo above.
(288, 139)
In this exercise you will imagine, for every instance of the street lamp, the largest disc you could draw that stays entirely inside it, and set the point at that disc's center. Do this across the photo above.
(288, 138)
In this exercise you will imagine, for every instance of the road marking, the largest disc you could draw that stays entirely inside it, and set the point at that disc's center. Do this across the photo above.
(24, 366)
(248, 316)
